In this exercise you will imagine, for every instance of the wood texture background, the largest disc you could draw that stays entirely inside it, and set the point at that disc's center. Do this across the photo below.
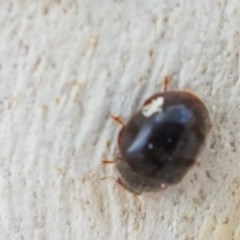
(65, 66)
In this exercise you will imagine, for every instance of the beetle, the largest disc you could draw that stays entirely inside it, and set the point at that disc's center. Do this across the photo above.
(161, 142)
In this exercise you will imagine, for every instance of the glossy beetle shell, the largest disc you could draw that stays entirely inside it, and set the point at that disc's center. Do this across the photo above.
(161, 142)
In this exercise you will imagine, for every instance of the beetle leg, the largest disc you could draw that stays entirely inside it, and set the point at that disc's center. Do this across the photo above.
(118, 120)
(165, 83)
(108, 162)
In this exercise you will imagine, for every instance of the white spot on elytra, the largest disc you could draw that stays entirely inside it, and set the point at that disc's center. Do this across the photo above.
(163, 185)
(154, 106)
(150, 146)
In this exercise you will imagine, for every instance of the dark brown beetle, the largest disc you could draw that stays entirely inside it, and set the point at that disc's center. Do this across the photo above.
(162, 141)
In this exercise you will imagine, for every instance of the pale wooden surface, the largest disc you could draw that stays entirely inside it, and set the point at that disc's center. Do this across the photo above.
(65, 66)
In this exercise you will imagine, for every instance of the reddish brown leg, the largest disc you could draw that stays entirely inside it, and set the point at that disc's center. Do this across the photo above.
(108, 162)
(118, 120)
(119, 181)
(136, 195)
(108, 177)
(165, 84)
(139, 201)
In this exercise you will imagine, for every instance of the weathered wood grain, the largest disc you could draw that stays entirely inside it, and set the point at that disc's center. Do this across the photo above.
(65, 67)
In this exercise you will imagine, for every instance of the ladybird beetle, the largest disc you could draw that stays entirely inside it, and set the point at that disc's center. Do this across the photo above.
(162, 141)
